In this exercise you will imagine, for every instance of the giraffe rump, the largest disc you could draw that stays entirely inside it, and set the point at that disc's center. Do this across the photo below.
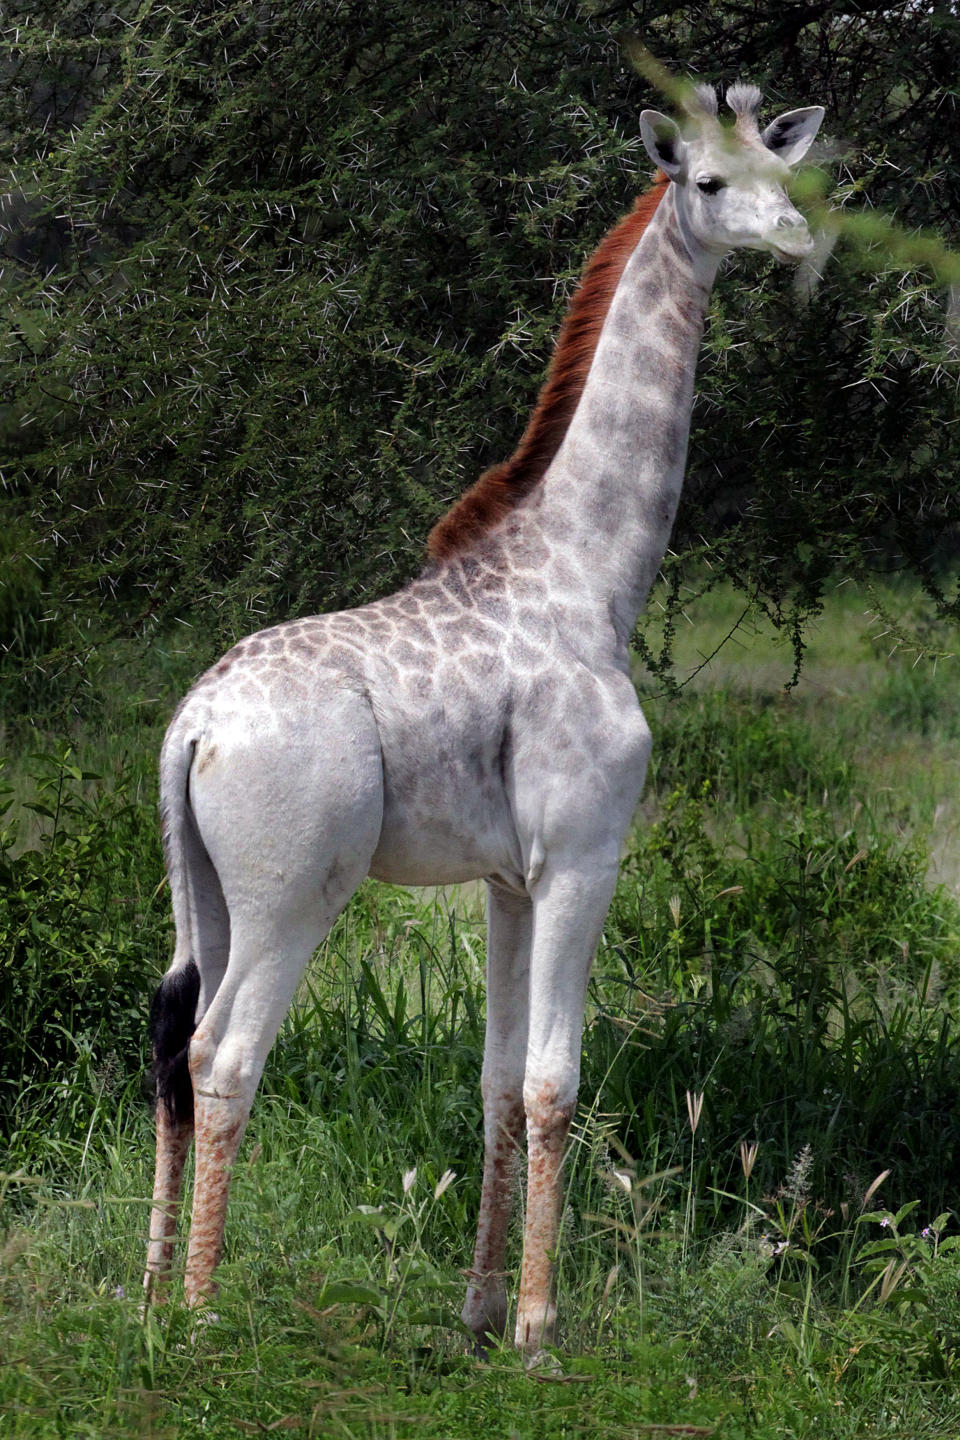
(504, 485)
(172, 1022)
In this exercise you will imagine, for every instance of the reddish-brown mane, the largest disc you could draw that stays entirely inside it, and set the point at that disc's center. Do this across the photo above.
(502, 486)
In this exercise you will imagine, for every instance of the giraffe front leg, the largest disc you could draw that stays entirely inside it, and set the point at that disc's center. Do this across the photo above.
(569, 911)
(509, 918)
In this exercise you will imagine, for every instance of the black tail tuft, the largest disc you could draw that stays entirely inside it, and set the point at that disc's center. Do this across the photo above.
(173, 1015)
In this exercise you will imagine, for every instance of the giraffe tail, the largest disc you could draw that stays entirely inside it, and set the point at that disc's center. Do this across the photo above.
(173, 1012)
(172, 1022)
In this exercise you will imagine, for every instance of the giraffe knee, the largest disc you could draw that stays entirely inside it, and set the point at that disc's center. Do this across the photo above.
(224, 1073)
(502, 1087)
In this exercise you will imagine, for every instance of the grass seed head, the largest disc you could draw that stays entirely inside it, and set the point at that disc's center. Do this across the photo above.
(447, 1178)
(873, 1187)
(797, 1184)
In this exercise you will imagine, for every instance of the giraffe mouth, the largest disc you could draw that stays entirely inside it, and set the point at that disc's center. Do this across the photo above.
(791, 255)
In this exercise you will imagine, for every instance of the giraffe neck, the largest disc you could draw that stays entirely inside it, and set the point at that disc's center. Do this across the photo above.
(608, 501)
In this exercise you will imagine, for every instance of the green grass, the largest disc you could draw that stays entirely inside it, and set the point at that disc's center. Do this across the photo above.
(878, 690)
(781, 944)
(321, 1330)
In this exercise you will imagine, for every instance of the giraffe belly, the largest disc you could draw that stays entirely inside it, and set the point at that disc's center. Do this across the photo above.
(425, 870)
(438, 855)
(445, 833)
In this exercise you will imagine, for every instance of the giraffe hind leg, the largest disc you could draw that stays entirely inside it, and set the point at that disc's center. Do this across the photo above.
(268, 956)
(290, 826)
(172, 1019)
(184, 993)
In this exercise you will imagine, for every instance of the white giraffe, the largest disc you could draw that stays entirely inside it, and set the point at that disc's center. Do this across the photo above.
(479, 723)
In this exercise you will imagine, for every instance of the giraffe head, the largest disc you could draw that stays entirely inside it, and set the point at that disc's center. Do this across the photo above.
(729, 179)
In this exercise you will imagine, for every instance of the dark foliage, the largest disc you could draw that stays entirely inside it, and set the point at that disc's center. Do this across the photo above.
(798, 985)
(283, 278)
(83, 931)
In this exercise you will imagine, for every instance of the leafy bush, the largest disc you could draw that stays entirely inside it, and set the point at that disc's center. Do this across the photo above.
(912, 700)
(83, 935)
(21, 609)
(21, 589)
(283, 279)
(793, 980)
(745, 750)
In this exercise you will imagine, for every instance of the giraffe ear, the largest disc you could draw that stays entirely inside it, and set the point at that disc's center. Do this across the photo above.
(791, 135)
(663, 142)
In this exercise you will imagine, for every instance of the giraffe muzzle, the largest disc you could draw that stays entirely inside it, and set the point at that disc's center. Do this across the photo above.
(791, 240)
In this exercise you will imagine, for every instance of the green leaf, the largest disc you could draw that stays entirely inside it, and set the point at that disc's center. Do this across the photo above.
(372, 1215)
(348, 1292)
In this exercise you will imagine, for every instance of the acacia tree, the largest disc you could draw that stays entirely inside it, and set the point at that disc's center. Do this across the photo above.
(282, 279)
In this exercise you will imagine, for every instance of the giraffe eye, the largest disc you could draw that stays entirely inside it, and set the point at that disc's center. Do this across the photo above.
(711, 186)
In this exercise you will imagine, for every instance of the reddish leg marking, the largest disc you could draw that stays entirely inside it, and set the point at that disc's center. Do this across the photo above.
(173, 1146)
(217, 1144)
(485, 1308)
(548, 1126)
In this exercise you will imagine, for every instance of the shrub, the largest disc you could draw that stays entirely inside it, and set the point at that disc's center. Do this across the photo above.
(83, 933)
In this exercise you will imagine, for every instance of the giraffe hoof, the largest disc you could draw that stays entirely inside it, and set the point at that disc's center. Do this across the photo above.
(202, 1321)
(541, 1365)
(481, 1343)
